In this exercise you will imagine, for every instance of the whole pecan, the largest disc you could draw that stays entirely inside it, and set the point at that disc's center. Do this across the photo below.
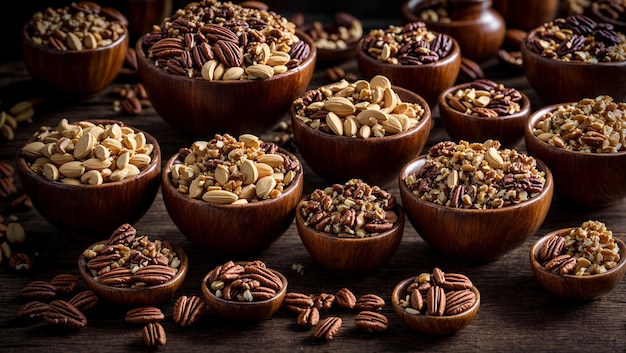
(188, 310)
(344, 298)
(153, 335)
(593, 138)
(118, 277)
(371, 321)
(328, 328)
(436, 301)
(552, 247)
(562, 264)
(144, 315)
(323, 301)
(469, 71)
(456, 281)
(154, 274)
(228, 53)
(62, 313)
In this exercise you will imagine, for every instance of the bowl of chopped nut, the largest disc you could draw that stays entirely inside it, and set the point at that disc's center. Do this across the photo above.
(436, 303)
(365, 129)
(460, 198)
(244, 290)
(579, 263)
(230, 195)
(482, 110)
(353, 218)
(225, 75)
(582, 143)
(129, 269)
(571, 58)
(87, 177)
(70, 61)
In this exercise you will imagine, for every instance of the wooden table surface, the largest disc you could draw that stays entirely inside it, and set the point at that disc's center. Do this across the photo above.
(516, 313)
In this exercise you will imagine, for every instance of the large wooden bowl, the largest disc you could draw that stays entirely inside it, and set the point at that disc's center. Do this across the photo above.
(202, 108)
(528, 14)
(474, 235)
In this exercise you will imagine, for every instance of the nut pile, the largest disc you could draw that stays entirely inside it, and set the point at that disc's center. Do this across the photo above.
(412, 44)
(20, 112)
(217, 40)
(244, 282)
(485, 98)
(361, 109)
(344, 31)
(81, 26)
(613, 9)
(227, 170)
(434, 11)
(476, 175)
(586, 250)
(352, 210)
(578, 38)
(86, 153)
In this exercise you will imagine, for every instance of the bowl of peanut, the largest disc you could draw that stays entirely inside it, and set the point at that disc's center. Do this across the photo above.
(461, 197)
(87, 177)
(582, 143)
(579, 263)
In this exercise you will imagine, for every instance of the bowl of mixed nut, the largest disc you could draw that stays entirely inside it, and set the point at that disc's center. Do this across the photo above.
(461, 198)
(579, 263)
(351, 228)
(233, 70)
(583, 144)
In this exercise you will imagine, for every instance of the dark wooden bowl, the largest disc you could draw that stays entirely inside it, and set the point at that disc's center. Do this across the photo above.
(138, 296)
(595, 13)
(226, 230)
(479, 31)
(580, 288)
(143, 14)
(77, 73)
(591, 180)
(427, 80)
(93, 210)
(473, 235)
(376, 160)
(429, 324)
(526, 14)
(244, 311)
(557, 81)
(202, 108)
(508, 129)
(350, 256)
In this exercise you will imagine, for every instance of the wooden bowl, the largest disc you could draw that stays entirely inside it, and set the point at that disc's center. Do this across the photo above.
(93, 210)
(508, 129)
(350, 256)
(591, 180)
(581, 288)
(376, 160)
(143, 14)
(329, 57)
(527, 14)
(429, 324)
(474, 235)
(226, 230)
(478, 29)
(202, 108)
(136, 296)
(557, 81)
(244, 311)
(596, 13)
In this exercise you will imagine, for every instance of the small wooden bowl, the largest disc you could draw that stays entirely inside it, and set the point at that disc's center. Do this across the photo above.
(93, 210)
(581, 288)
(150, 295)
(227, 230)
(376, 160)
(557, 81)
(474, 235)
(508, 129)
(428, 324)
(591, 180)
(244, 311)
(527, 14)
(595, 13)
(350, 256)
(202, 108)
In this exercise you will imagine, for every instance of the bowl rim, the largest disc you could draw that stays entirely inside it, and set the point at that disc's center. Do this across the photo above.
(594, 9)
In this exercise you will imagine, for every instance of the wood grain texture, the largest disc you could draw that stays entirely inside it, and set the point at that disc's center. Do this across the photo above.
(527, 14)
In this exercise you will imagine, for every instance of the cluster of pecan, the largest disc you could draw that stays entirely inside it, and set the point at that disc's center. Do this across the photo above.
(486, 98)
(613, 9)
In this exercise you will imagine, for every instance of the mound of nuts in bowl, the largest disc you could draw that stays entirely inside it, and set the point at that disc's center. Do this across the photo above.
(589, 125)
(361, 109)
(345, 30)
(476, 176)
(586, 250)
(85, 152)
(215, 40)
(244, 282)
(486, 98)
(227, 170)
(352, 210)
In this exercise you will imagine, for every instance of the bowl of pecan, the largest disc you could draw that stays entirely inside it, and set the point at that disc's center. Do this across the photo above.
(235, 70)
(483, 109)
(129, 269)
(244, 290)
(351, 228)
(60, 54)
(582, 143)
(232, 195)
(571, 58)
(436, 303)
(579, 263)
(461, 197)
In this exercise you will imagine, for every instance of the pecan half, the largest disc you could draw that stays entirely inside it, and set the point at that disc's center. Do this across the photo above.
(308, 317)
(154, 274)
(228, 53)
(32, 310)
(371, 321)
(124, 234)
(65, 283)
(62, 313)
(459, 301)
(153, 335)
(188, 310)
(369, 302)
(144, 315)
(562, 264)
(323, 301)
(85, 300)
(119, 277)
(297, 302)
(436, 301)
(456, 281)
(328, 328)
(39, 290)
(552, 247)
(344, 298)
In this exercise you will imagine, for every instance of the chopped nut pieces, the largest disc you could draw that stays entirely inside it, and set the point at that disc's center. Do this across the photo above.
(244, 282)
(485, 98)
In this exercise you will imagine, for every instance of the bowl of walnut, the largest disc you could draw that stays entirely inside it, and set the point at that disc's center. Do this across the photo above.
(579, 263)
